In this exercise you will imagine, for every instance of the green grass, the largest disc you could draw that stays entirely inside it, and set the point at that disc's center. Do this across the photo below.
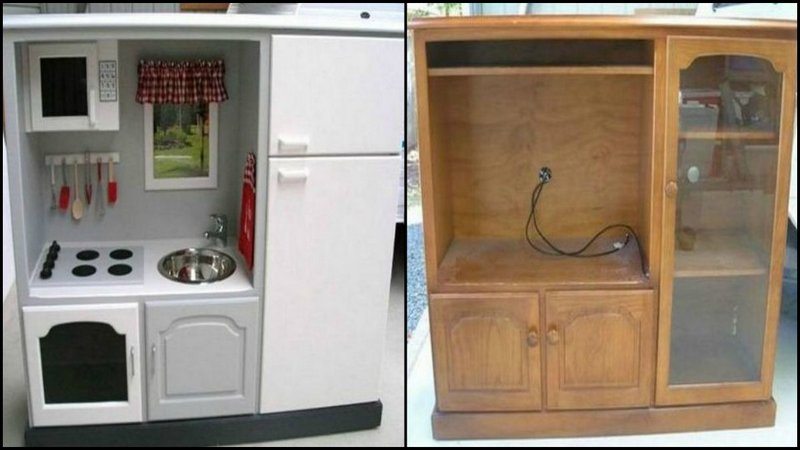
(182, 168)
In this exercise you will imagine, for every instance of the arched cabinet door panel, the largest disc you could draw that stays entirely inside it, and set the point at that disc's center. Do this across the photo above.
(83, 363)
(201, 358)
(486, 352)
(600, 347)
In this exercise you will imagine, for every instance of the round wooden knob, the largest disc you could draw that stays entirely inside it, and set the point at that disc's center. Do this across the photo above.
(552, 336)
(533, 338)
(671, 189)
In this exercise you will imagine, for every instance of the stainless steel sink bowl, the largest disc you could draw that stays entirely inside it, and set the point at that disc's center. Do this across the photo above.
(196, 266)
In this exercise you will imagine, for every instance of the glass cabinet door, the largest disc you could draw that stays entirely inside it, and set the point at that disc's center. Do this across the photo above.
(722, 194)
(83, 363)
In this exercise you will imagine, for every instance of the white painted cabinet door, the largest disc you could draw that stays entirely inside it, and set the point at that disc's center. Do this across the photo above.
(201, 358)
(330, 238)
(83, 363)
(337, 95)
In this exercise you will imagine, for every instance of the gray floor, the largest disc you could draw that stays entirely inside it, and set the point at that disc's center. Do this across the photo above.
(390, 433)
(417, 298)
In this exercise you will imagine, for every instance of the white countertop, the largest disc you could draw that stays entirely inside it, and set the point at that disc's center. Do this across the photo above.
(172, 21)
(153, 284)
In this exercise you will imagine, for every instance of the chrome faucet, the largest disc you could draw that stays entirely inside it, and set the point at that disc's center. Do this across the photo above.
(220, 231)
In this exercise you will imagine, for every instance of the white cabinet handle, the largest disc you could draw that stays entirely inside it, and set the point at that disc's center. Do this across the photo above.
(133, 368)
(153, 368)
(92, 108)
(298, 144)
(292, 176)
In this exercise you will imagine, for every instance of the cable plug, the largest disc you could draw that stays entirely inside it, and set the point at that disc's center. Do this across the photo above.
(545, 174)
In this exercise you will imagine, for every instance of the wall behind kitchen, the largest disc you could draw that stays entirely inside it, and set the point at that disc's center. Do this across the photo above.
(140, 214)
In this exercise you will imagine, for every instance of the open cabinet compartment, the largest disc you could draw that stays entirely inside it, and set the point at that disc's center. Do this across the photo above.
(140, 215)
(492, 132)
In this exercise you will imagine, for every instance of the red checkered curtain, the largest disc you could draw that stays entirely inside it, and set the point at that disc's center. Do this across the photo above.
(184, 82)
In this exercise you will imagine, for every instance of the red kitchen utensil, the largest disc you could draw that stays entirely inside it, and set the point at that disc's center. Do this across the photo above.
(112, 184)
(87, 175)
(101, 208)
(63, 196)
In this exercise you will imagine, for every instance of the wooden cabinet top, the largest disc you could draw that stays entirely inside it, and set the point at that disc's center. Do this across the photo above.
(640, 27)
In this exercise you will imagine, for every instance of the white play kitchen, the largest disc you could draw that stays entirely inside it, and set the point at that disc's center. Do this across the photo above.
(204, 213)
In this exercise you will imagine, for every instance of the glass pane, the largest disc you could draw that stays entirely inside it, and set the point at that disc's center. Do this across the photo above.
(63, 87)
(727, 162)
(84, 362)
(180, 141)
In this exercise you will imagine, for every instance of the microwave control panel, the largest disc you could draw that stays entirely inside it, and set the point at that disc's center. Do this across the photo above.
(108, 81)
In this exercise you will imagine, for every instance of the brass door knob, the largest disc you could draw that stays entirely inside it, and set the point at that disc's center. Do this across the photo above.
(671, 189)
(533, 338)
(552, 336)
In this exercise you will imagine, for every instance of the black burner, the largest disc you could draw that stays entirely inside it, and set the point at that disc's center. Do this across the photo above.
(84, 270)
(121, 253)
(120, 269)
(87, 255)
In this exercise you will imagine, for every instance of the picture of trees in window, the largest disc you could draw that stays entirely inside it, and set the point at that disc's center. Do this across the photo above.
(180, 140)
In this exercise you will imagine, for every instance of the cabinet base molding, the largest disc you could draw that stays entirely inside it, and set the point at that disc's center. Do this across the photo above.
(451, 425)
(213, 431)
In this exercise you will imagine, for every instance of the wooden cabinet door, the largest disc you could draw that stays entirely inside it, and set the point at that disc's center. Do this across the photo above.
(336, 95)
(201, 358)
(728, 150)
(600, 349)
(486, 352)
(83, 363)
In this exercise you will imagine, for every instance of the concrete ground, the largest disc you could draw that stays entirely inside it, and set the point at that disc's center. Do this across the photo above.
(421, 401)
(390, 433)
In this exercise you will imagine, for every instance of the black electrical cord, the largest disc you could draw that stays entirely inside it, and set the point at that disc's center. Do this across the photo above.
(544, 177)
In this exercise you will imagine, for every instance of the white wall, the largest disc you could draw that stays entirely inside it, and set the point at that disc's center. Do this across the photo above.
(140, 214)
(8, 247)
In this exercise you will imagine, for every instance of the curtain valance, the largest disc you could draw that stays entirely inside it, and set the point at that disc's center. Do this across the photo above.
(183, 82)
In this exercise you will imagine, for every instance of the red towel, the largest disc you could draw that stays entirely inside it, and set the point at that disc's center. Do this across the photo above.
(247, 222)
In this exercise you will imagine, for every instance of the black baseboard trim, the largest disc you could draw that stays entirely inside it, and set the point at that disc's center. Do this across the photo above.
(213, 431)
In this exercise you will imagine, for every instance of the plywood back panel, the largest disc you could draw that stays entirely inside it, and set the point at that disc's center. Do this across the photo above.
(499, 130)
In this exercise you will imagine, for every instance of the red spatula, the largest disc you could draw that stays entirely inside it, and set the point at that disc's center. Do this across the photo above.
(63, 196)
(112, 183)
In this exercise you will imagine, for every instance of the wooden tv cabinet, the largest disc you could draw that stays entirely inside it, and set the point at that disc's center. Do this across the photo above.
(680, 128)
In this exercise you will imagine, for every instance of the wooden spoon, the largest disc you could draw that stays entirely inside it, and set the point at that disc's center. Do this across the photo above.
(77, 205)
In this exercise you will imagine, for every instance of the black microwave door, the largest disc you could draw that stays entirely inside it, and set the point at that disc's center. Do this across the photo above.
(63, 86)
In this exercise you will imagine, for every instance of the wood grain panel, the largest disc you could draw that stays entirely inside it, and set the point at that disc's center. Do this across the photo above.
(536, 70)
(474, 265)
(600, 348)
(613, 27)
(501, 130)
(658, 156)
(597, 423)
(434, 176)
(484, 358)
(473, 357)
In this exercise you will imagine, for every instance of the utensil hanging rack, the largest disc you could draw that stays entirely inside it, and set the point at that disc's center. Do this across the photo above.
(79, 157)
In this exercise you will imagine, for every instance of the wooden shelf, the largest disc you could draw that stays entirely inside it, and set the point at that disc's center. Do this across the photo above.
(735, 134)
(540, 70)
(719, 184)
(511, 265)
(719, 254)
